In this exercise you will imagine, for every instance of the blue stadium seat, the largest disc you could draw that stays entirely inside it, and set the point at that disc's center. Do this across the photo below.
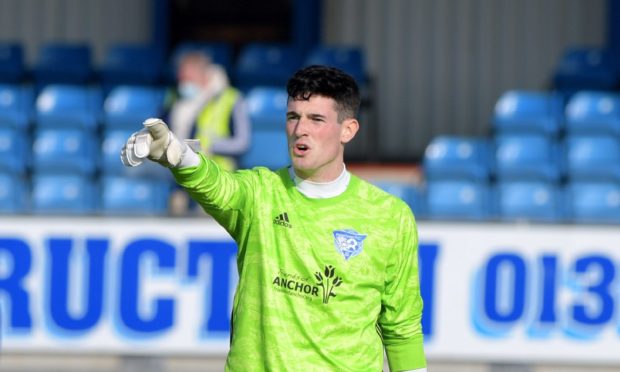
(528, 112)
(126, 107)
(593, 158)
(16, 106)
(348, 58)
(406, 191)
(589, 112)
(63, 194)
(65, 151)
(594, 202)
(529, 200)
(12, 66)
(220, 53)
(527, 157)
(459, 200)
(455, 157)
(586, 68)
(267, 112)
(265, 64)
(132, 196)
(131, 64)
(14, 150)
(69, 106)
(63, 63)
(13, 192)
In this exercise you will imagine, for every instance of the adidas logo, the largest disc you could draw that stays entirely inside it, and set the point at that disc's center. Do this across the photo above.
(282, 220)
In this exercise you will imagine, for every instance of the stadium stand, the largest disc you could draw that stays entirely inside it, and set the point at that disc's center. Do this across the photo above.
(14, 150)
(594, 202)
(265, 64)
(585, 68)
(528, 112)
(126, 107)
(13, 194)
(593, 158)
(527, 157)
(459, 199)
(457, 157)
(63, 194)
(65, 151)
(127, 196)
(131, 64)
(12, 65)
(535, 200)
(349, 58)
(63, 63)
(593, 112)
(69, 106)
(220, 53)
(16, 106)
(268, 145)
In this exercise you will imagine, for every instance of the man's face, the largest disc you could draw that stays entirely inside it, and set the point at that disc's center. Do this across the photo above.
(316, 139)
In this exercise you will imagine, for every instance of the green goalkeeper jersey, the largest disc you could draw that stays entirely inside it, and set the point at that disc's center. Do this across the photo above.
(324, 284)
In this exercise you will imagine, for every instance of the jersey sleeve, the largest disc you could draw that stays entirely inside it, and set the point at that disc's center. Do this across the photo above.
(401, 310)
(226, 196)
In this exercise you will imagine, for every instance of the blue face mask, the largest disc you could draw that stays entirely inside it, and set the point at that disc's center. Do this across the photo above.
(188, 90)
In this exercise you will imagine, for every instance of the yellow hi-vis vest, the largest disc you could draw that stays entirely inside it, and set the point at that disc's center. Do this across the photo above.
(214, 123)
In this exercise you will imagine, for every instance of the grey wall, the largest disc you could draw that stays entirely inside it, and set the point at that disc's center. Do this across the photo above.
(97, 22)
(440, 65)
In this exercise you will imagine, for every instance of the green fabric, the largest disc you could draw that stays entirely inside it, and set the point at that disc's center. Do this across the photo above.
(300, 305)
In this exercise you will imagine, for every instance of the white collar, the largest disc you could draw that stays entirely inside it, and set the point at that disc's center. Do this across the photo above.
(319, 190)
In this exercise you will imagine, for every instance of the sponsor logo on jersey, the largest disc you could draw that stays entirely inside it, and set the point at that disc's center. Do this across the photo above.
(349, 243)
(295, 285)
(282, 220)
(328, 280)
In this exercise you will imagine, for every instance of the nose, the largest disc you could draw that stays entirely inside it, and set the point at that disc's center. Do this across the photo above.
(300, 127)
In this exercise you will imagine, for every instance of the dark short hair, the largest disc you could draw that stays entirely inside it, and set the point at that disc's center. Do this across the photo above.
(327, 82)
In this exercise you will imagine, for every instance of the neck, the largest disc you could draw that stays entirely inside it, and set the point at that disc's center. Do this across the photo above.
(318, 190)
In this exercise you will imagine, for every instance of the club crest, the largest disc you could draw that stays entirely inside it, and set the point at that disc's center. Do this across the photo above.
(349, 243)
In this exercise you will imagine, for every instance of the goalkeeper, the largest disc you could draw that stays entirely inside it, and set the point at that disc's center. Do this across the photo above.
(328, 266)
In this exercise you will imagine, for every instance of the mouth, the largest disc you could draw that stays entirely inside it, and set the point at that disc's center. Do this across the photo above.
(300, 149)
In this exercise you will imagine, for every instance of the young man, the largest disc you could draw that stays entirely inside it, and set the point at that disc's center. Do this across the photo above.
(328, 267)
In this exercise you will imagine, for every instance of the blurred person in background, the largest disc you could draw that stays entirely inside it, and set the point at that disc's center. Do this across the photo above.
(328, 263)
(209, 109)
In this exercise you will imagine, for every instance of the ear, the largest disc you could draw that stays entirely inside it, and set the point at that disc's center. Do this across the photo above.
(349, 128)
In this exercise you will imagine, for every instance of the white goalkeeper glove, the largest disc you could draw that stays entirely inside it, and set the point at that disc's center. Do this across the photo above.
(157, 143)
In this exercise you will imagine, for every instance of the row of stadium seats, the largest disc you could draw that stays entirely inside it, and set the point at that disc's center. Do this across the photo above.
(264, 64)
(67, 137)
(547, 113)
(518, 200)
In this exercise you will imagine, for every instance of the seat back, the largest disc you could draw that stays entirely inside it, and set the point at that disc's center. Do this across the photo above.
(593, 158)
(126, 107)
(13, 193)
(12, 67)
(131, 64)
(594, 202)
(456, 157)
(65, 151)
(69, 106)
(63, 63)
(349, 58)
(529, 200)
(528, 112)
(586, 68)
(14, 150)
(265, 64)
(133, 196)
(16, 106)
(459, 199)
(62, 194)
(527, 156)
(589, 112)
